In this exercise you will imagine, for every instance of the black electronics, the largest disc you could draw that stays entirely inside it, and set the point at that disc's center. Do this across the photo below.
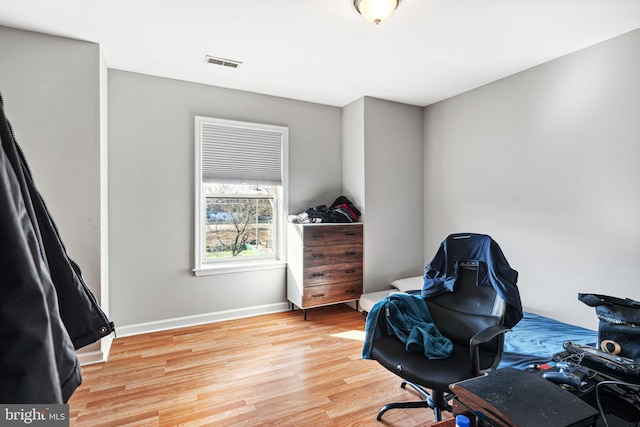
(513, 397)
(617, 366)
(568, 374)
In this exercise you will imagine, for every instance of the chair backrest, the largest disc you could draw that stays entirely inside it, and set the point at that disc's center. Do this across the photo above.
(470, 308)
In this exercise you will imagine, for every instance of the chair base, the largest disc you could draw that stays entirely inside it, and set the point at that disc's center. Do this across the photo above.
(436, 400)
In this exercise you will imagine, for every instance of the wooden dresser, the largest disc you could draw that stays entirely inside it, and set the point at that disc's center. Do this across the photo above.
(324, 264)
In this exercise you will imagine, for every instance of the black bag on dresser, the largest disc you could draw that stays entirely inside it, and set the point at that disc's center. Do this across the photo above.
(619, 326)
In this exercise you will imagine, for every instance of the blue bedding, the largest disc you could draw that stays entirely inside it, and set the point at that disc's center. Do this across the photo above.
(535, 339)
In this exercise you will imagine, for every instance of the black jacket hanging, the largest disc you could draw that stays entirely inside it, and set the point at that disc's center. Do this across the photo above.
(46, 309)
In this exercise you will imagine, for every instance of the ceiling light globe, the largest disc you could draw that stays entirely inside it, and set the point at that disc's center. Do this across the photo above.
(376, 11)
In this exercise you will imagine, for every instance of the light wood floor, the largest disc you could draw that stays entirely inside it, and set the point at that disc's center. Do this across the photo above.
(266, 370)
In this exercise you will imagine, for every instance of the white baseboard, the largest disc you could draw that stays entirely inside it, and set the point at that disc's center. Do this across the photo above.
(182, 322)
(97, 356)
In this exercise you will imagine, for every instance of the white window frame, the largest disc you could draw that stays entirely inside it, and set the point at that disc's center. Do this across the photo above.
(241, 264)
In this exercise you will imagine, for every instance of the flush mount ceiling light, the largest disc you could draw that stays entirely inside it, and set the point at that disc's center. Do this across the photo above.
(376, 11)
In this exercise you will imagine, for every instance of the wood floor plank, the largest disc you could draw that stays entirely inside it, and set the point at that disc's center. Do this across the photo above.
(270, 370)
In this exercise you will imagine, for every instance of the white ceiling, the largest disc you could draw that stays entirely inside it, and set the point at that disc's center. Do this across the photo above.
(323, 50)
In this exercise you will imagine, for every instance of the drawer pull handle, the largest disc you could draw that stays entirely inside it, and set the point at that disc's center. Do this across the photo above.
(351, 234)
(317, 255)
(350, 271)
(350, 253)
(350, 291)
(317, 275)
(317, 235)
(317, 296)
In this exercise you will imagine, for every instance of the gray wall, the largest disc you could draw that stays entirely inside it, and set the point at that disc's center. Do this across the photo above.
(54, 97)
(546, 161)
(383, 145)
(353, 149)
(151, 140)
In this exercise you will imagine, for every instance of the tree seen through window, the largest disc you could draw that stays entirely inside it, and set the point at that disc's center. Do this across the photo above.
(239, 221)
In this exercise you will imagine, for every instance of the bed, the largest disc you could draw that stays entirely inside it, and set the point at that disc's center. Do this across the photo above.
(410, 284)
(534, 340)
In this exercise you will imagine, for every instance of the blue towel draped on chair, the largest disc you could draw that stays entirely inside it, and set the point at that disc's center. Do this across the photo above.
(407, 316)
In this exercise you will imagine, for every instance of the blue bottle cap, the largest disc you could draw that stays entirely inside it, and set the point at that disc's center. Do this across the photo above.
(462, 421)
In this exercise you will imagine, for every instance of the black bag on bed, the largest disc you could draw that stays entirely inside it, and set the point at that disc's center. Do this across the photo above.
(619, 326)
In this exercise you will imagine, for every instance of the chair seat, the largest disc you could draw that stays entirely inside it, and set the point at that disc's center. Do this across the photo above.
(435, 374)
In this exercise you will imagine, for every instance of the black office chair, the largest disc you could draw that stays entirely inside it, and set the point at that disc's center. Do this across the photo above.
(472, 317)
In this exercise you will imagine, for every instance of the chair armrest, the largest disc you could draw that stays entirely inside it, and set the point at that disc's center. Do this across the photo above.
(481, 337)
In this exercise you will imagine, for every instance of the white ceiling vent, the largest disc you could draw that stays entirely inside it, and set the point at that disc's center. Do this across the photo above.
(222, 61)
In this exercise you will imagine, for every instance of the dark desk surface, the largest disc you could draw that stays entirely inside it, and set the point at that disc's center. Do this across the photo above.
(515, 398)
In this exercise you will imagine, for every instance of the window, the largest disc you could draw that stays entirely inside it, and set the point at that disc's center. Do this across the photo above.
(240, 195)
(239, 221)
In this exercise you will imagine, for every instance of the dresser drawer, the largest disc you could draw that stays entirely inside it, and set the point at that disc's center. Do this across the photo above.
(329, 255)
(332, 235)
(323, 274)
(328, 294)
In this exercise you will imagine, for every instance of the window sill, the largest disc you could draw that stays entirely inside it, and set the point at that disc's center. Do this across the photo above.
(239, 267)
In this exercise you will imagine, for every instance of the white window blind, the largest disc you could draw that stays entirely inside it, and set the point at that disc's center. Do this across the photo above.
(240, 153)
